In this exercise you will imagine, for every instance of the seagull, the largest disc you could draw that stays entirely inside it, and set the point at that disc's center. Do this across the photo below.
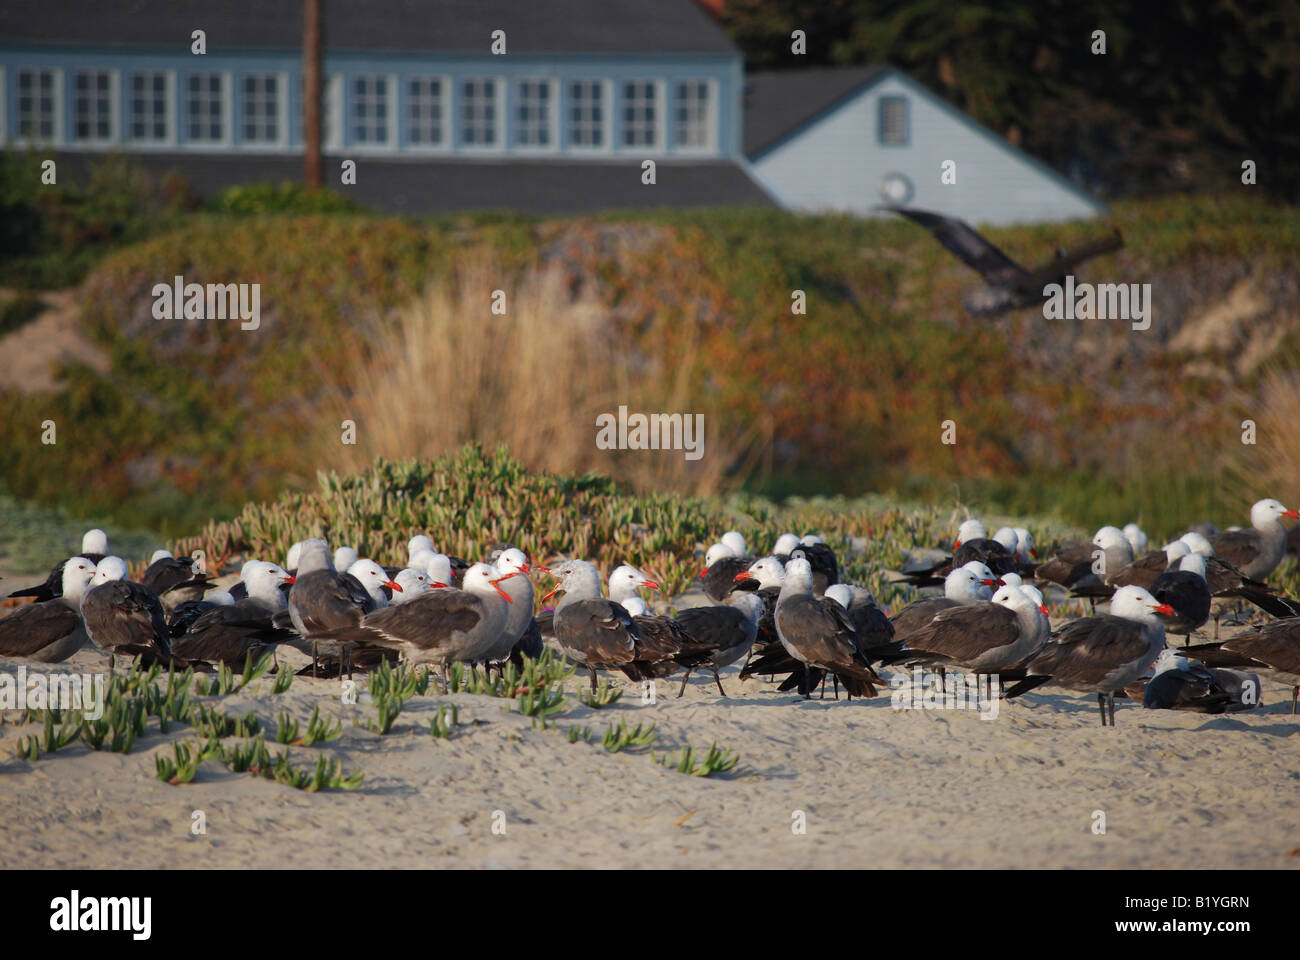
(326, 608)
(513, 563)
(721, 564)
(726, 632)
(230, 633)
(373, 579)
(1256, 552)
(986, 636)
(1275, 647)
(594, 631)
(50, 630)
(1182, 684)
(971, 583)
(122, 616)
(818, 633)
(94, 547)
(1009, 286)
(174, 579)
(1101, 654)
(447, 625)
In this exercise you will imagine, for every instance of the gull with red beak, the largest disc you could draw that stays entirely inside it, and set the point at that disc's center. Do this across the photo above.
(971, 583)
(1255, 553)
(448, 625)
(1102, 654)
(721, 564)
(373, 579)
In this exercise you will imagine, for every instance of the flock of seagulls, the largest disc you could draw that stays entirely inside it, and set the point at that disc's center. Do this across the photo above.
(786, 614)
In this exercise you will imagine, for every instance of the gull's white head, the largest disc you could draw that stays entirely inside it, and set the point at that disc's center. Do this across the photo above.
(736, 542)
(263, 580)
(1263, 515)
(110, 568)
(810, 539)
(94, 541)
(840, 593)
(967, 586)
(344, 557)
(1007, 537)
(969, 530)
(1197, 543)
(160, 555)
(769, 572)
(291, 558)
(373, 577)
(1137, 603)
(626, 580)
(785, 544)
(417, 543)
(414, 583)
(1136, 538)
(718, 551)
(78, 572)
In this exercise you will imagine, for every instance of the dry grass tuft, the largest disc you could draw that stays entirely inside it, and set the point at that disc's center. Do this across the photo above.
(444, 371)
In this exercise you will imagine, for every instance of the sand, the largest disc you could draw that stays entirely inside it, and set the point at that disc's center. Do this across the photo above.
(877, 787)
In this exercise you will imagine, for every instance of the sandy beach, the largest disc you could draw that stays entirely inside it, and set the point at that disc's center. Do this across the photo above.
(878, 788)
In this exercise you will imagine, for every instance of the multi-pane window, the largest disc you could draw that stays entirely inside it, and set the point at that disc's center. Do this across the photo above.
(893, 120)
(261, 107)
(692, 115)
(424, 112)
(640, 114)
(36, 100)
(92, 105)
(478, 113)
(587, 114)
(534, 112)
(205, 107)
(371, 108)
(147, 106)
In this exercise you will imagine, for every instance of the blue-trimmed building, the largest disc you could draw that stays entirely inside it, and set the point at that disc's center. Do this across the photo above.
(533, 105)
(850, 139)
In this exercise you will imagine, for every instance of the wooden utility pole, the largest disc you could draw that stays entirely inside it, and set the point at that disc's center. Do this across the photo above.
(312, 55)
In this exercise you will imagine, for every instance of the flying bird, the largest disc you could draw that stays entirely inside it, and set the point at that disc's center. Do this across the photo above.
(1009, 285)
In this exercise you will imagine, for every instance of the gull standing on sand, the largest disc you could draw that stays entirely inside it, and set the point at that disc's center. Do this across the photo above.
(726, 633)
(1102, 654)
(594, 631)
(326, 608)
(447, 625)
(818, 633)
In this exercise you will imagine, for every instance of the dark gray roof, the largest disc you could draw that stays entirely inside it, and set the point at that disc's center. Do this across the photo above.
(435, 185)
(532, 26)
(777, 104)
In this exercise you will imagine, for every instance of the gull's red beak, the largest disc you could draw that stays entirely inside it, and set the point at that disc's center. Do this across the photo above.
(649, 584)
(1033, 552)
(525, 569)
(290, 579)
(1043, 607)
(394, 585)
(956, 544)
(703, 571)
(991, 583)
(551, 594)
(436, 583)
(1164, 608)
(1293, 514)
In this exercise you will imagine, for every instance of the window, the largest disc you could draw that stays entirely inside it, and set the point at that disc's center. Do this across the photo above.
(640, 114)
(205, 108)
(261, 106)
(587, 114)
(478, 113)
(534, 113)
(370, 110)
(92, 105)
(36, 104)
(693, 115)
(424, 112)
(147, 113)
(893, 120)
